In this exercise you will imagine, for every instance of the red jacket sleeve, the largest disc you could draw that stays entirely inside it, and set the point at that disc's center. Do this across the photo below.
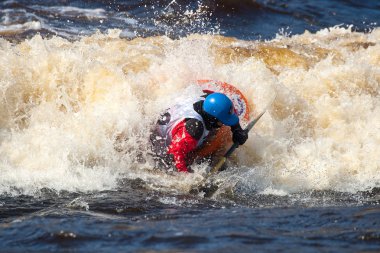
(182, 144)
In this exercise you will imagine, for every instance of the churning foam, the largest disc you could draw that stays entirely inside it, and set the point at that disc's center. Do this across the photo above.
(75, 115)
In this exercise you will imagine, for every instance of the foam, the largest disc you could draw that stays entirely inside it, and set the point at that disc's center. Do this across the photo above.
(32, 25)
(75, 115)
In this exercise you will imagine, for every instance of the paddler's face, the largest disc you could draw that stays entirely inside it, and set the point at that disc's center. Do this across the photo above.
(215, 123)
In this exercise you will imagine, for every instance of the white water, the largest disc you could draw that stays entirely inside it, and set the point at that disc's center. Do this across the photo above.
(74, 115)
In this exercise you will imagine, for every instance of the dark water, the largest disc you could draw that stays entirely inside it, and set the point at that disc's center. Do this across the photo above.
(246, 19)
(133, 218)
(136, 218)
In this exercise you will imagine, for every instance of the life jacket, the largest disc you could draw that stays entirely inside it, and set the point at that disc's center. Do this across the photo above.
(171, 118)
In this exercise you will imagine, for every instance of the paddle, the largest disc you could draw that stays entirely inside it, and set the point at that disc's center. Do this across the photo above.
(235, 145)
(210, 189)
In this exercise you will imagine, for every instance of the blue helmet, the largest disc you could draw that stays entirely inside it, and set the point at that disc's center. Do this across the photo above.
(220, 106)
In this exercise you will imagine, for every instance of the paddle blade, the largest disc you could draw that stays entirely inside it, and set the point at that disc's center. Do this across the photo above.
(252, 123)
(218, 165)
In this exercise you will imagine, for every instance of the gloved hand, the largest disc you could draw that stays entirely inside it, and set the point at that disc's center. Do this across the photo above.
(239, 135)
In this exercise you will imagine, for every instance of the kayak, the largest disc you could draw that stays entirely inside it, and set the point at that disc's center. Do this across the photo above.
(218, 143)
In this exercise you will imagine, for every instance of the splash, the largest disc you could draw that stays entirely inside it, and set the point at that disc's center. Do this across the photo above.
(75, 115)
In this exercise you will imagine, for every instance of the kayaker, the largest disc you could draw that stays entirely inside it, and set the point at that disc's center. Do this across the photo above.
(183, 129)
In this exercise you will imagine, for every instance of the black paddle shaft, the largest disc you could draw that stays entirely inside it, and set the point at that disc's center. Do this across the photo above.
(247, 129)
(219, 165)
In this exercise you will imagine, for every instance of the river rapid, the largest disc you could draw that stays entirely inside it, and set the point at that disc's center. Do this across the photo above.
(81, 83)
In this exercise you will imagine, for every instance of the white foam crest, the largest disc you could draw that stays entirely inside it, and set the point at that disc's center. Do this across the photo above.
(324, 127)
(75, 115)
(72, 11)
(32, 25)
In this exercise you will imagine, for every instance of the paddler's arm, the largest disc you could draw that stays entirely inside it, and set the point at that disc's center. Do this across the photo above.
(239, 135)
(185, 137)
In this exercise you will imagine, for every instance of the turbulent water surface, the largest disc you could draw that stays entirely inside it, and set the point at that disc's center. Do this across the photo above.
(81, 82)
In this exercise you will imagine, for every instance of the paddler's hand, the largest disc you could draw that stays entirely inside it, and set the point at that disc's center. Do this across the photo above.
(239, 135)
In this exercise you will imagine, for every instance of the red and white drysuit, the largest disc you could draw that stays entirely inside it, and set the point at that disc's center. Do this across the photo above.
(179, 131)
